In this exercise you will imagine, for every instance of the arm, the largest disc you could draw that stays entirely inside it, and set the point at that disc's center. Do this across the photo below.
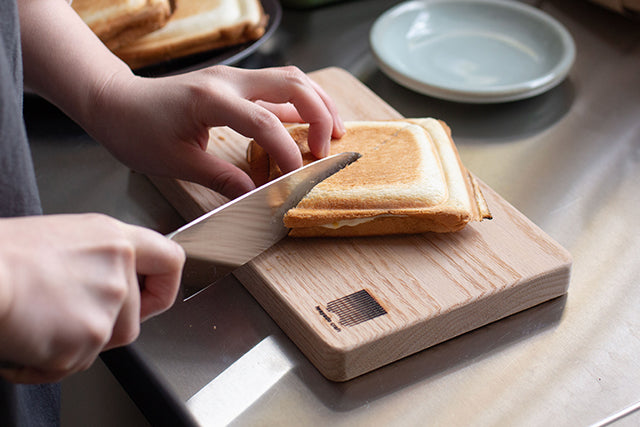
(160, 126)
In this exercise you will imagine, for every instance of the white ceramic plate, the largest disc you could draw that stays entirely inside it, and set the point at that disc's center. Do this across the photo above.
(478, 51)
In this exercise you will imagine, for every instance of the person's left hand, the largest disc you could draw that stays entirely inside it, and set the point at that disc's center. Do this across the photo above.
(160, 126)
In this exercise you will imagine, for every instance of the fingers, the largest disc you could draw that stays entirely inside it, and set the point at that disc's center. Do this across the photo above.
(127, 324)
(285, 112)
(254, 121)
(254, 102)
(160, 260)
(314, 106)
(338, 125)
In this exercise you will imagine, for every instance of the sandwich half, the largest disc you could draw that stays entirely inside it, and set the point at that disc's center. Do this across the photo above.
(197, 26)
(119, 22)
(409, 180)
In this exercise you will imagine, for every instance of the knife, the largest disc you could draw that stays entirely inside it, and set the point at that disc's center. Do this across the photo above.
(233, 234)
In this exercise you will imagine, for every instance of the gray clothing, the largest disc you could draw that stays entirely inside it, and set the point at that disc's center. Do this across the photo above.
(18, 191)
(20, 405)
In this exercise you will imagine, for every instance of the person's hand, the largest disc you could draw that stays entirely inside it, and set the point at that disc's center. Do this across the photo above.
(69, 289)
(161, 126)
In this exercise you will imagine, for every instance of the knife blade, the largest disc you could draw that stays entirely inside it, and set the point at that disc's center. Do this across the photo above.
(228, 237)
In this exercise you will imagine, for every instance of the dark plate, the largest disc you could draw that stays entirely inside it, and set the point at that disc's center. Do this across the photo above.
(224, 56)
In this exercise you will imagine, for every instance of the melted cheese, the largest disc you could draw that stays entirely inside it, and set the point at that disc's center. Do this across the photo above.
(357, 221)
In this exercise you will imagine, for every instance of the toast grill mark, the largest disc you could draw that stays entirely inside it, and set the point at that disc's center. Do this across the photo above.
(352, 309)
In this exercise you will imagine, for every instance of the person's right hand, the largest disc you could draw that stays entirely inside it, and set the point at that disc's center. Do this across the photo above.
(69, 290)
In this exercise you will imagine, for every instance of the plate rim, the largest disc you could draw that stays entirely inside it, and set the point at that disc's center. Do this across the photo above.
(501, 93)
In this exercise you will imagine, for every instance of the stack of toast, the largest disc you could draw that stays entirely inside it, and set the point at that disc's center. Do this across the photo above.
(409, 179)
(148, 32)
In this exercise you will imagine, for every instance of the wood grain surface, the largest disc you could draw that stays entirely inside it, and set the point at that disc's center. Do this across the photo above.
(355, 304)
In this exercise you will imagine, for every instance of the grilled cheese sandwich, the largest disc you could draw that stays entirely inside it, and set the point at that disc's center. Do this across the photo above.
(409, 180)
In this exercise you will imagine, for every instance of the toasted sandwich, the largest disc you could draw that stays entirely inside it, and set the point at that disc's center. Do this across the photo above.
(119, 22)
(409, 180)
(197, 26)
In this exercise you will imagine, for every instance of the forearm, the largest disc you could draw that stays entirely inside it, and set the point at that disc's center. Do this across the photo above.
(63, 60)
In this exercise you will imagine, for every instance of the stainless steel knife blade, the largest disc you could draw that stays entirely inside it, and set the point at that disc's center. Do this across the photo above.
(222, 240)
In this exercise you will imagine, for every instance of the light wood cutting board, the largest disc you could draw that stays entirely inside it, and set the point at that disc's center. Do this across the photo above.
(353, 305)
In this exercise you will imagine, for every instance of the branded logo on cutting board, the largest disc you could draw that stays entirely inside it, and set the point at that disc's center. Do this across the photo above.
(351, 310)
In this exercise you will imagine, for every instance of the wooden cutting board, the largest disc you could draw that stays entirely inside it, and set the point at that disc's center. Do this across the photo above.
(355, 304)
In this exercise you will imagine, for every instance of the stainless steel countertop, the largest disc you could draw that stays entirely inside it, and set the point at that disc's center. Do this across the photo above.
(568, 159)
